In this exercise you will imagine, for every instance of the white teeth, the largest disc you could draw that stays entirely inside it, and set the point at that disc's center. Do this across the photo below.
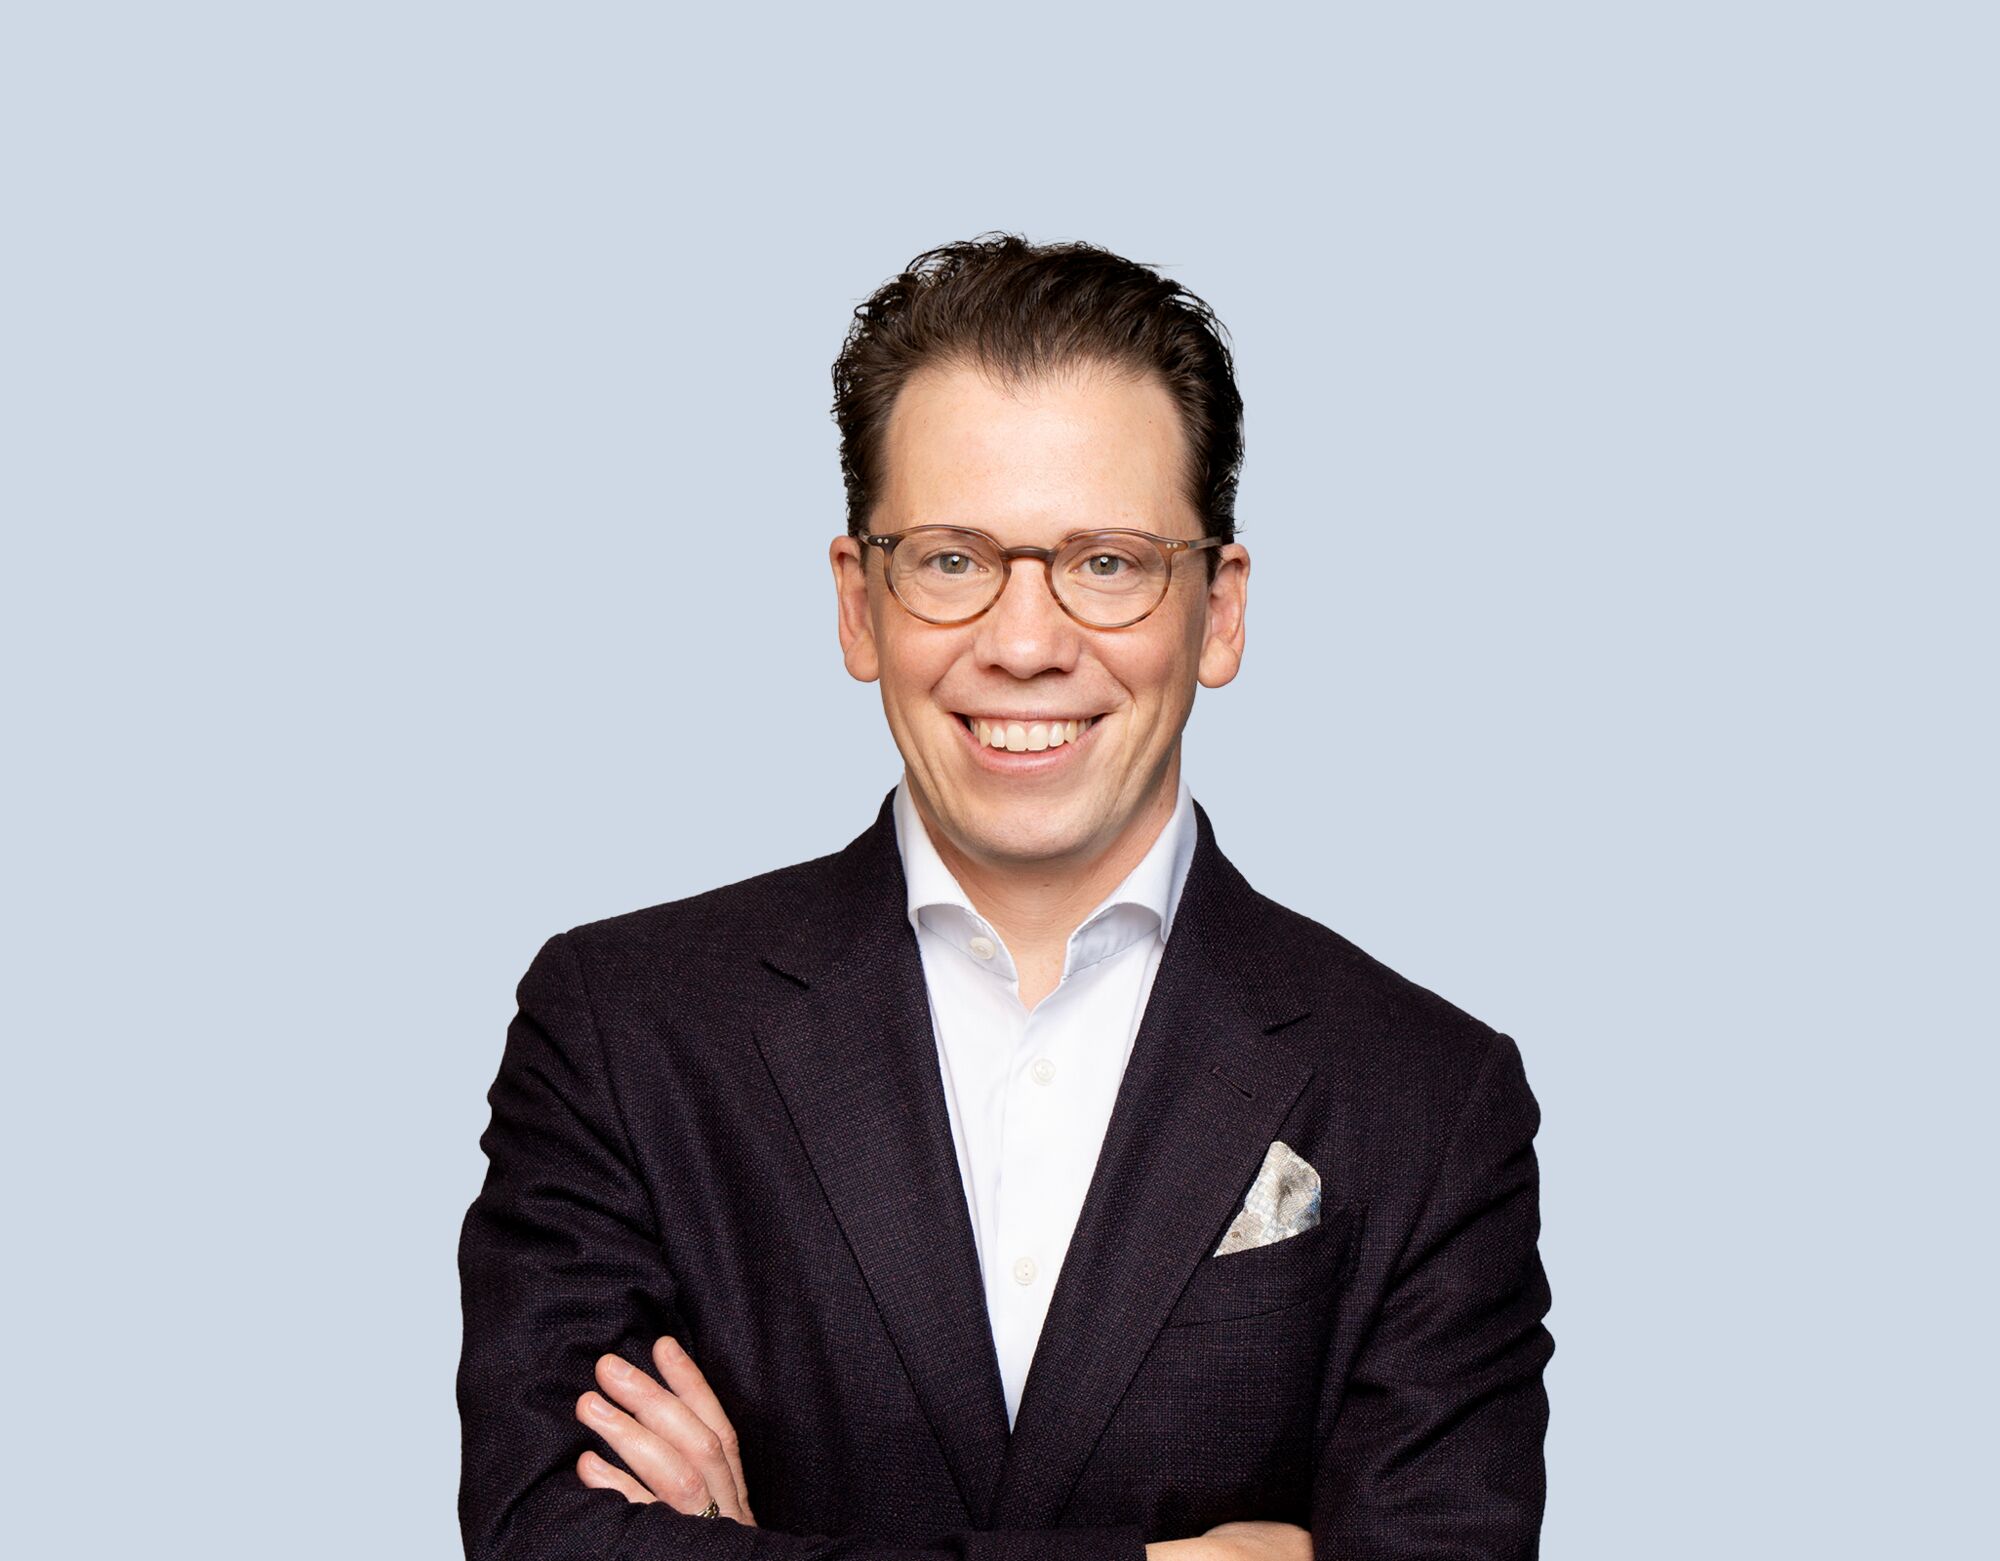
(1028, 736)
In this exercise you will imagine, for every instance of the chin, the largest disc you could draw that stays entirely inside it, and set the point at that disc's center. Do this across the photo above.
(1026, 833)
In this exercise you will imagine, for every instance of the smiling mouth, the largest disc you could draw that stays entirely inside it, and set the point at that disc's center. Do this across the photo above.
(1025, 736)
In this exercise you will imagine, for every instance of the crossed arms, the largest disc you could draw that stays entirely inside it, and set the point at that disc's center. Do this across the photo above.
(1431, 1438)
(675, 1434)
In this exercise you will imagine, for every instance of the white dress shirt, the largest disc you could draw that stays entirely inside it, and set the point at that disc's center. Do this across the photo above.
(1030, 1093)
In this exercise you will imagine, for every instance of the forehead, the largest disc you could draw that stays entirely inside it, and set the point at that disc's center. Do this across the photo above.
(1087, 446)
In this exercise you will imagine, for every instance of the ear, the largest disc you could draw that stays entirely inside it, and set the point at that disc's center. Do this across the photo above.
(1228, 594)
(855, 621)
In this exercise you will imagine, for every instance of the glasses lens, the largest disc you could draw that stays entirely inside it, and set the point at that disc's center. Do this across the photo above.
(1110, 577)
(945, 574)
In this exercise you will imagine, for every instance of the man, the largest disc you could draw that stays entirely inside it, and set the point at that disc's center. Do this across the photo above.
(1017, 1181)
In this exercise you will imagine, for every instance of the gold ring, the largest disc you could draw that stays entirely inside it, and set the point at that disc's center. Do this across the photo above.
(710, 1511)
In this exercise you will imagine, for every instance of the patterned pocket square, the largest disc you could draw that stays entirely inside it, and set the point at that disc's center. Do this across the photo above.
(1283, 1201)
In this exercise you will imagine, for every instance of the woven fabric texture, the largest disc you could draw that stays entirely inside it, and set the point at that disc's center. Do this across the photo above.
(721, 1118)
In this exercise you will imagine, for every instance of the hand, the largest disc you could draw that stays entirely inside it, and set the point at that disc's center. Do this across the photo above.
(1245, 1541)
(675, 1439)
(1261, 1541)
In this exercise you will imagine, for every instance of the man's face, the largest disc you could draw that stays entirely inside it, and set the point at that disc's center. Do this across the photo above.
(1029, 465)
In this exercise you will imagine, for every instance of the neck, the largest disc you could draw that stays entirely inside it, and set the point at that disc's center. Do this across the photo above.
(1035, 906)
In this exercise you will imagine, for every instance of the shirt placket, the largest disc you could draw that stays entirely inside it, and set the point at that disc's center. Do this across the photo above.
(1035, 1160)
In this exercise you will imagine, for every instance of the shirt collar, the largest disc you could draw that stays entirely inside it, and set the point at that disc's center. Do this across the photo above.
(1143, 904)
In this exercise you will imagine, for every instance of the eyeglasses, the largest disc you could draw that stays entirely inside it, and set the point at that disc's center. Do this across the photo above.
(1103, 579)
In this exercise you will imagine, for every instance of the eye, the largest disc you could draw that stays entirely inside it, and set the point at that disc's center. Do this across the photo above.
(1106, 566)
(951, 564)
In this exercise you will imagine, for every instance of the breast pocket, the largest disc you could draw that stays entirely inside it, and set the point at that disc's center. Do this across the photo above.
(1271, 1277)
(1218, 1422)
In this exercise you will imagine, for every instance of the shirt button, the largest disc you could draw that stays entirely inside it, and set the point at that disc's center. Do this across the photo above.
(1024, 1270)
(1043, 1070)
(981, 948)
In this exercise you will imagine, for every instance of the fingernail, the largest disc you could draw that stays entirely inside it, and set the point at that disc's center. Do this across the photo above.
(618, 1368)
(673, 1345)
(596, 1406)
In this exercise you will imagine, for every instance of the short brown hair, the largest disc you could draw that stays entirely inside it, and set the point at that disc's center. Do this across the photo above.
(1019, 310)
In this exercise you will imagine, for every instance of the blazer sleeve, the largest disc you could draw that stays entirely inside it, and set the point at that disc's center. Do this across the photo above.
(1436, 1448)
(560, 1261)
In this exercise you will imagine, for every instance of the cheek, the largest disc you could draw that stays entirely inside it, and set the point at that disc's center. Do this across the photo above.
(1160, 669)
(913, 664)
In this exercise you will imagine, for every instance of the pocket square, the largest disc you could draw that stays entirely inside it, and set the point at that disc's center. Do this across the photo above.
(1283, 1201)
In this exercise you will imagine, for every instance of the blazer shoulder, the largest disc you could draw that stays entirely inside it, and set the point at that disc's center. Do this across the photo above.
(1365, 1005)
(705, 953)
(729, 924)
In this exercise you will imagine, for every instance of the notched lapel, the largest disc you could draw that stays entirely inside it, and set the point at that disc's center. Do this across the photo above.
(854, 1057)
(849, 1043)
(1203, 1096)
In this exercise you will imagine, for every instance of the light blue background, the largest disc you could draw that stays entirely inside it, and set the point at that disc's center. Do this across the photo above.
(1621, 490)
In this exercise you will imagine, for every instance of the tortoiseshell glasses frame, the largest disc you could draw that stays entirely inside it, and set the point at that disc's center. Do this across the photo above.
(1152, 556)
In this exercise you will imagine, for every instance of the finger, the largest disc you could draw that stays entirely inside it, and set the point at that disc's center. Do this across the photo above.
(599, 1475)
(658, 1465)
(678, 1370)
(675, 1422)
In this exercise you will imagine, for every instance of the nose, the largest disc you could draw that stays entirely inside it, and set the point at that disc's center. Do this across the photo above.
(1025, 631)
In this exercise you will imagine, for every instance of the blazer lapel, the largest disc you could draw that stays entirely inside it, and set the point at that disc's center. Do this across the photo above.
(853, 1054)
(1199, 1104)
(855, 1058)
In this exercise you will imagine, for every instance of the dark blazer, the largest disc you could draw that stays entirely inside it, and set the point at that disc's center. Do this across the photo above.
(722, 1118)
